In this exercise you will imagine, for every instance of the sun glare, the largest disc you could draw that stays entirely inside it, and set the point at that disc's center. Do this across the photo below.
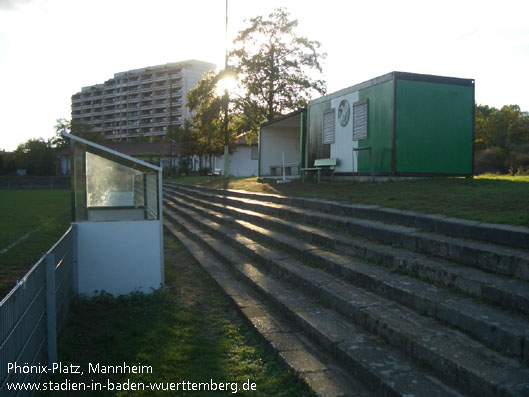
(226, 83)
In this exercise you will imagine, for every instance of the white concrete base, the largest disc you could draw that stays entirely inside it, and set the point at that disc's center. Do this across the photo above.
(119, 257)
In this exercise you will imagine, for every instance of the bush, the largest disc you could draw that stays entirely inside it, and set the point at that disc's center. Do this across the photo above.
(175, 172)
(491, 160)
(204, 171)
(495, 160)
(518, 163)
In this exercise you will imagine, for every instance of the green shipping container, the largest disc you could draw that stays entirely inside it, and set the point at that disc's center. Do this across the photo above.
(412, 124)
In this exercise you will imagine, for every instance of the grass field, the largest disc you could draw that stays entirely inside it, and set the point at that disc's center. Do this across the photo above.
(487, 198)
(191, 332)
(44, 212)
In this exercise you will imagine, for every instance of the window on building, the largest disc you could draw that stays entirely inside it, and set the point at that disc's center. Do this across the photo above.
(360, 120)
(255, 153)
(328, 127)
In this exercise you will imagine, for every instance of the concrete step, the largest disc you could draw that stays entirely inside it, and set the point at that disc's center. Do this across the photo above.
(386, 371)
(489, 257)
(504, 331)
(320, 371)
(454, 357)
(506, 292)
(507, 235)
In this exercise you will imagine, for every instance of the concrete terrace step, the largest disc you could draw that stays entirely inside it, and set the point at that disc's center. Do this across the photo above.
(455, 357)
(319, 371)
(506, 292)
(490, 257)
(514, 236)
(505, 332)
(384, 370)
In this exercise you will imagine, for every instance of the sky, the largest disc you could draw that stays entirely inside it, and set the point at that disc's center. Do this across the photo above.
(50, 49)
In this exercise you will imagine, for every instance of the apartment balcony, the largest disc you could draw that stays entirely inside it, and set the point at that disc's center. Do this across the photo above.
(146, 78)
(160, 91)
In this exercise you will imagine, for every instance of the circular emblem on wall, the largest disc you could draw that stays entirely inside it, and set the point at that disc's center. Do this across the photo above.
(344, 112)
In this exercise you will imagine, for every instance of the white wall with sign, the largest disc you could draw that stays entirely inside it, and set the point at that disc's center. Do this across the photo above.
(342, 148)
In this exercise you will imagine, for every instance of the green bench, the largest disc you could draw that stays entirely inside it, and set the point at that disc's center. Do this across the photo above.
(321, 165)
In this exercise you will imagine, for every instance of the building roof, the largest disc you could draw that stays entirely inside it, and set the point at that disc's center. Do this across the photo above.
(138, 148)
(143, 148)
(427, 78)
(283, 117)
(241, 139)
(102, 149)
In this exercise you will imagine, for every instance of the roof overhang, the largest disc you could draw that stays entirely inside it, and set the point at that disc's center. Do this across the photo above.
(291, 119)
(96, 148)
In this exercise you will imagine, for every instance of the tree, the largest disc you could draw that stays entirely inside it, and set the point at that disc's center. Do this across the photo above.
(208, 117)
(505, 128)
(74, 127)
(501, 139)
(185, 137)
(38, 155)
(277, 69)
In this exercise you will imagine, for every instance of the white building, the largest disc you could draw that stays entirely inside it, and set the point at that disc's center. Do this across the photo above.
(243, 159)
(139, 102)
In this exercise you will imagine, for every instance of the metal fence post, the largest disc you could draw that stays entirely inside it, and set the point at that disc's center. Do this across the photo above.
(75, 262)
(50, 309)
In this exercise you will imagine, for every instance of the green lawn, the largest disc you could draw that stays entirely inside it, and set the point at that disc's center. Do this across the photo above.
(191, 332)
(487, 198)
(22, 211)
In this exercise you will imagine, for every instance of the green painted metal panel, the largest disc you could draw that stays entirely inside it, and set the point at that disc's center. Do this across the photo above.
(380, 128)
(434, 128)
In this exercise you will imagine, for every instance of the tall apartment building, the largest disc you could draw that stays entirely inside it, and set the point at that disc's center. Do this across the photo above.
(139, 102)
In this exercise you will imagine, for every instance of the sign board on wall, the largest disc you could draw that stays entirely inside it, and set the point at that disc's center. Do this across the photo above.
(342, 148)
